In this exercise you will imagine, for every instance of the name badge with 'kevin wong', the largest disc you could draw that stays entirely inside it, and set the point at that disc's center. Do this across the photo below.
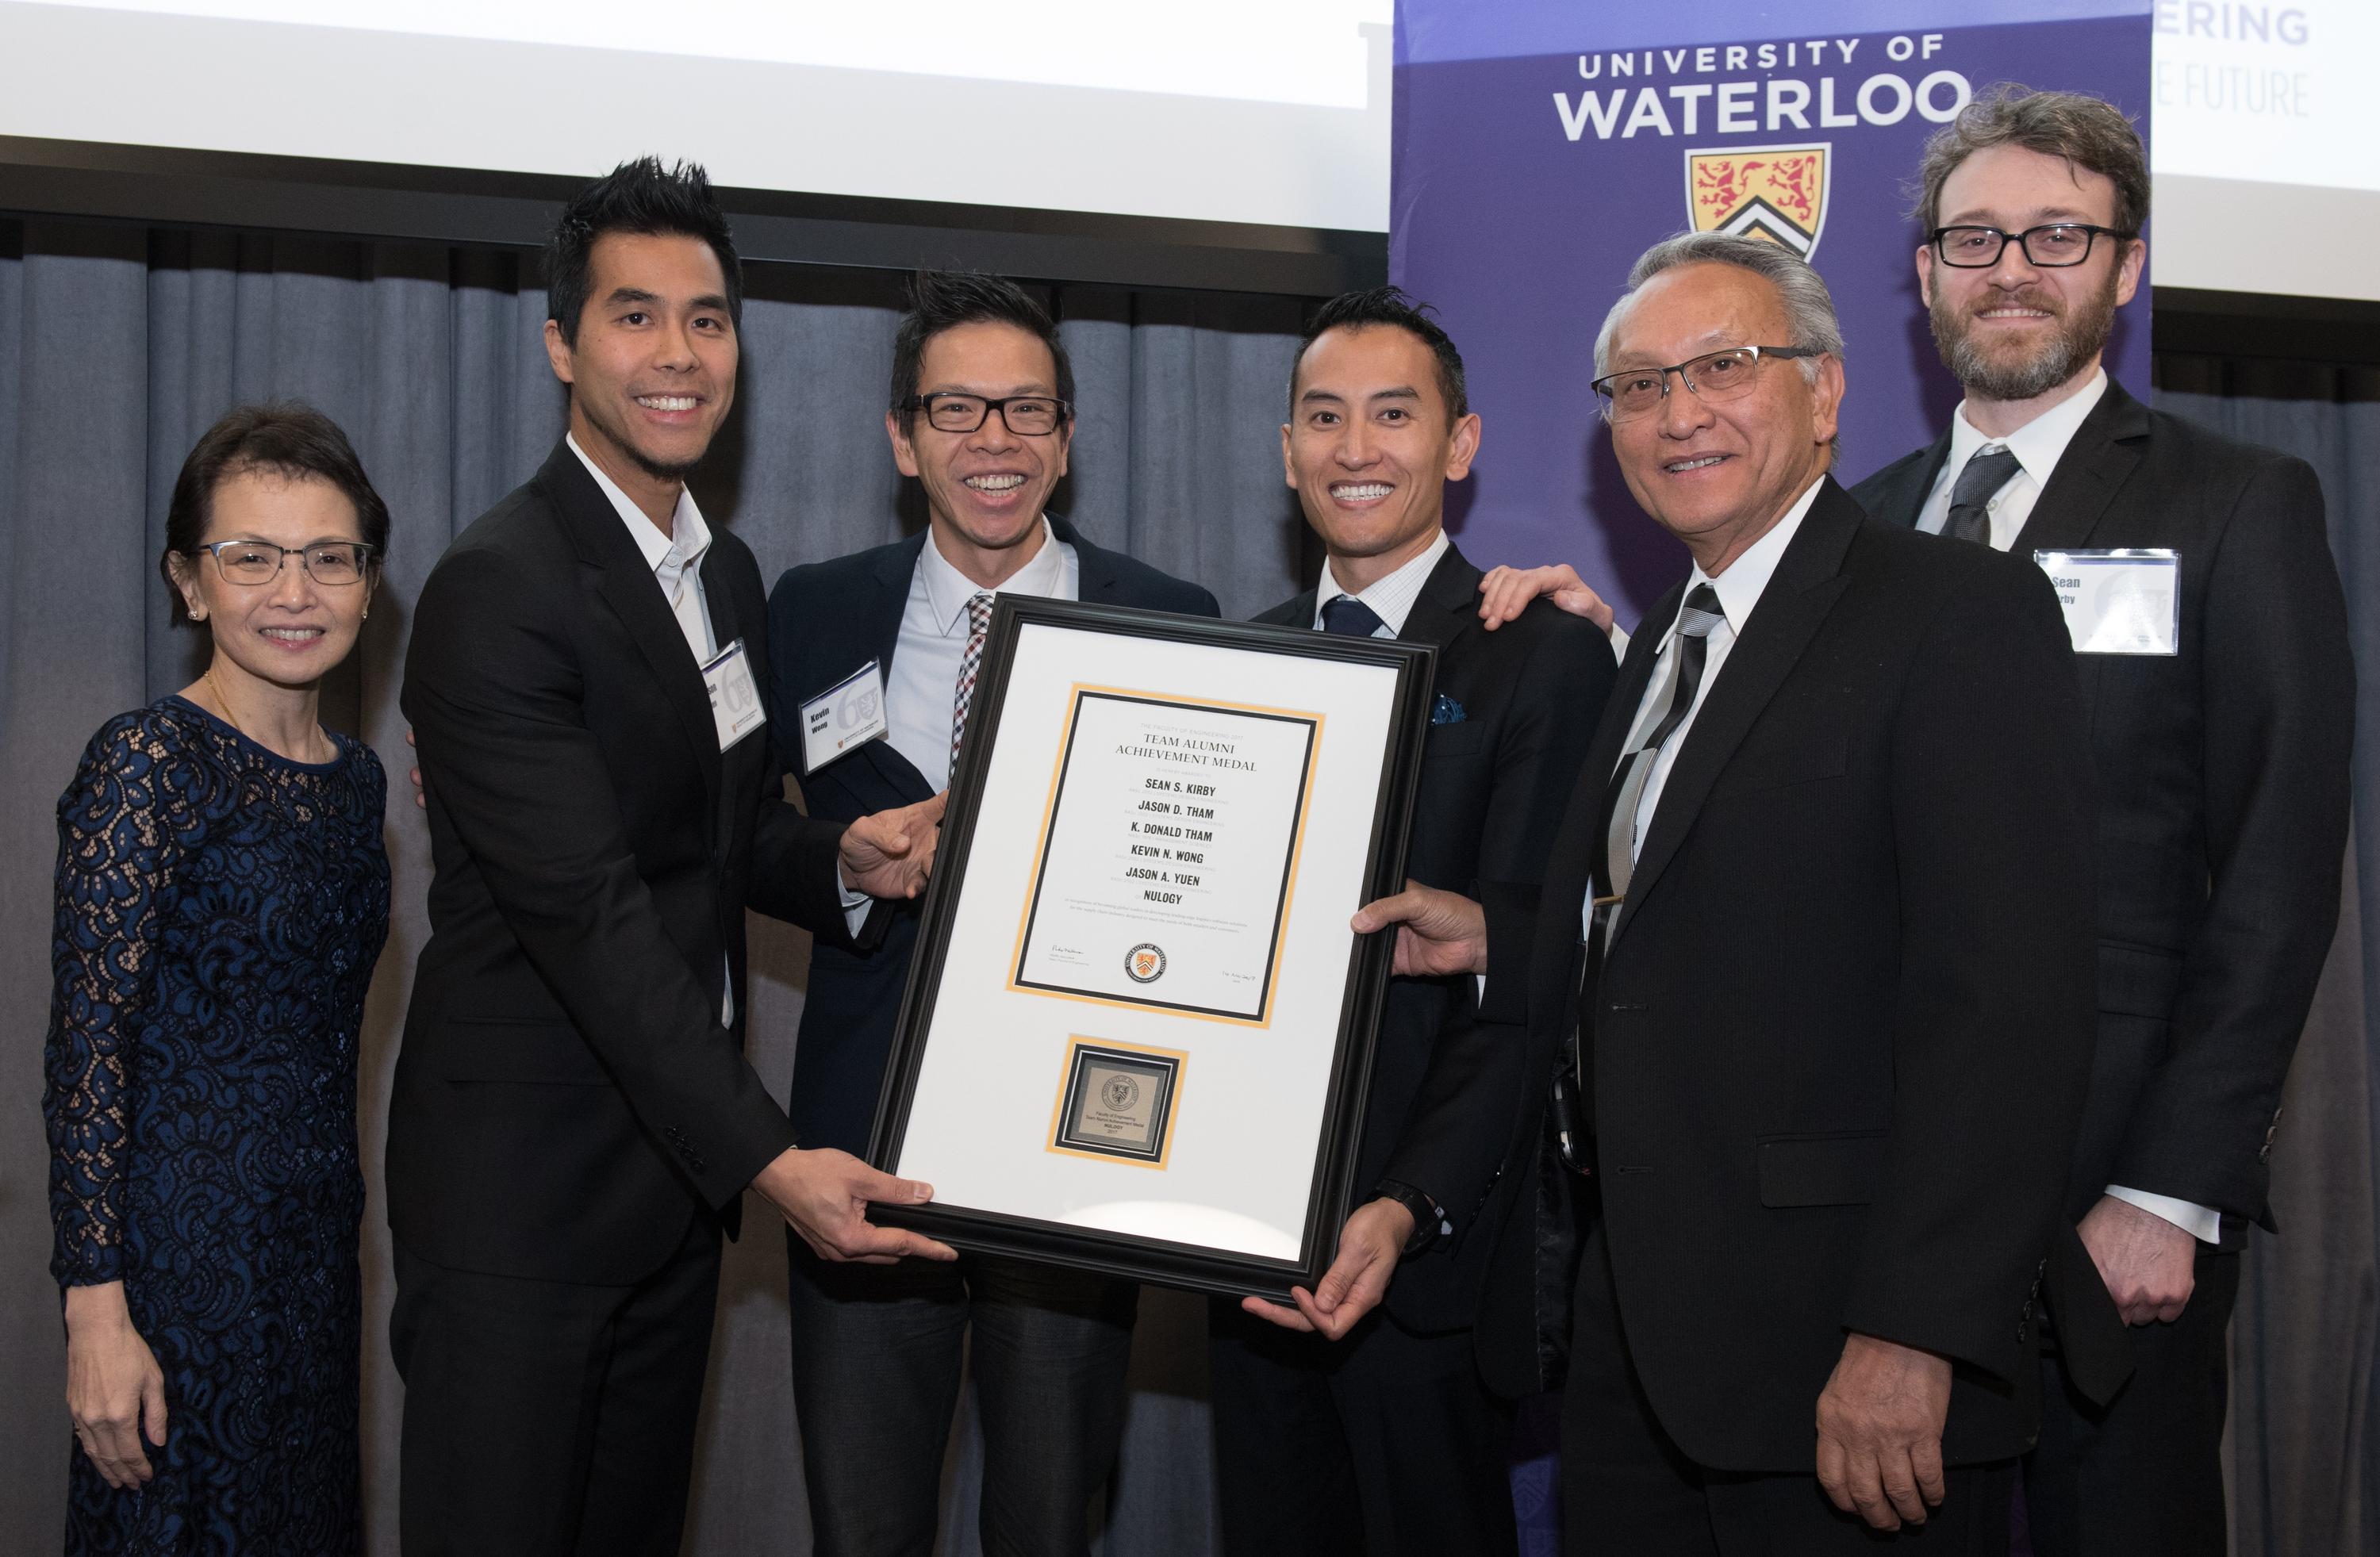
(845, 716)
(735, 699)
(2119, 602)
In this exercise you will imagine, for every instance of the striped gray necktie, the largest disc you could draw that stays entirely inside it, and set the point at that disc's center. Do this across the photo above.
(1971, 499)
(1684, 657)
(979, 624)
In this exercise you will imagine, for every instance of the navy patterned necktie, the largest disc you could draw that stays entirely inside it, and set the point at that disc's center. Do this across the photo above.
(1971, 499)
(1350, 618)
(979, 624)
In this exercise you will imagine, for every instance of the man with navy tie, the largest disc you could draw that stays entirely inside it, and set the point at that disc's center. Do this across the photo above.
(1377, 1431)
(981, 413)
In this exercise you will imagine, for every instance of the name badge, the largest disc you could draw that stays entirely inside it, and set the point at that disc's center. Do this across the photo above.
(2119, 602)
(734, 700)
(846, 715)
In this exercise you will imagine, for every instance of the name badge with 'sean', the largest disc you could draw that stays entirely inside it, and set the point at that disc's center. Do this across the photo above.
(845, 716)
(2119, 602)
(734, 700)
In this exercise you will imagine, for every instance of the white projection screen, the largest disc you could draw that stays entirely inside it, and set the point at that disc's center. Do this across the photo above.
(1271, 112)
(1268, 112)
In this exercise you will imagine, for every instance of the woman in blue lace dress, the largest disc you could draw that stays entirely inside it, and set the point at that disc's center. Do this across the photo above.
(222, 897)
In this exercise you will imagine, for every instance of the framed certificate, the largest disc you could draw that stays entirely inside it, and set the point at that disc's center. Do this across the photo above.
(1138, 1030)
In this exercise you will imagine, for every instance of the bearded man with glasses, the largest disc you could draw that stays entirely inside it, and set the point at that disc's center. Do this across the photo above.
(981, 413)
(2221, 745)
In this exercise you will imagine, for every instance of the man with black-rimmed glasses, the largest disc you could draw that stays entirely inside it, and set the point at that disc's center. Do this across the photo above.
(2213, 642)
(981, 414)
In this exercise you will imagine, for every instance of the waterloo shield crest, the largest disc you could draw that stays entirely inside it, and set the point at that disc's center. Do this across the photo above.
(1773, 192)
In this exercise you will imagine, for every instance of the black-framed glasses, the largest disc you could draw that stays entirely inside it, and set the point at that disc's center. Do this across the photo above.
(2048, 246)
(1720, 375)
(259, 561)
(1029, 416)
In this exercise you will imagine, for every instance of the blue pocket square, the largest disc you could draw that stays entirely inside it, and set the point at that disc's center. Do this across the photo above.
(1446, 710)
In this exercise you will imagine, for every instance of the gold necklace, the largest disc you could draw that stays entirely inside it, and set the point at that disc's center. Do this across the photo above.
(215, 691)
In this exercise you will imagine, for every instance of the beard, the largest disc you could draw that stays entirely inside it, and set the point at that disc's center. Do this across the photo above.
(2082, 334)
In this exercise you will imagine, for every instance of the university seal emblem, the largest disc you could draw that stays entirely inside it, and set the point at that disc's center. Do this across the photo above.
(1773, 192)
(1144, 963)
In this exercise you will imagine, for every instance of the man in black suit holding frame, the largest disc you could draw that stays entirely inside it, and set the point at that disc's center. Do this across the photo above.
(1376, 1431)
(574, 1123)
(2221, 748)
(1809, 972)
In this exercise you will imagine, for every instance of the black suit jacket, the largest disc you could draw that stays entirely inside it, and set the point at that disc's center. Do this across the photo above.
(1843, 1028)
(1447, 1092)
(567, 1098)
(827, 619)
(2223, 792)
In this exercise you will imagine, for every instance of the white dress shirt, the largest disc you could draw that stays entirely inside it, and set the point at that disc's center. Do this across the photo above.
(921, 685)
(1391, 599)
(677, 561)
(2036, 446)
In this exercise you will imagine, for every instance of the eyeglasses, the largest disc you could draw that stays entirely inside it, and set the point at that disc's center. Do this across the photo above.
(259, 561)
(1029, 416)
(1713, 376)
(2047, 247)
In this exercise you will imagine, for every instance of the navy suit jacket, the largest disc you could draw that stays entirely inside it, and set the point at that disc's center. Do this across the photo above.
(1450, 1092)
(827, 619)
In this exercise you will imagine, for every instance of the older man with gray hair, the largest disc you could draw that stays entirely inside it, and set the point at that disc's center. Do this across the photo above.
(1810, 974)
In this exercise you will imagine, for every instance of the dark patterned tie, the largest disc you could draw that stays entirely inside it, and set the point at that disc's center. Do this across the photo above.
(1971, 499)
(1687, 651)
(1350, 618)
(979, 624)
(1683, 658)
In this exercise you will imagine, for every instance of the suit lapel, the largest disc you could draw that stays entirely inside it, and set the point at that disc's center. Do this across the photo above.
(1906, 500)
(626, 583)
(1808, 581)
(878, 626)
(2098, 462)
(1570, 870)
(1447, 605)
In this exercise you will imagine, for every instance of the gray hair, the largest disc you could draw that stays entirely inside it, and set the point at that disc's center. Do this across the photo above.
(1809, 308)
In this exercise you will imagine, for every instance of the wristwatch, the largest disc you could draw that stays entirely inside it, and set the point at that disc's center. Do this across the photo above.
(1430, 1222)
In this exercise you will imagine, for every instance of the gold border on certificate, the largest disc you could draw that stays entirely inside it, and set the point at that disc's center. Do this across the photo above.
(1074, 696)
(1134, 1076)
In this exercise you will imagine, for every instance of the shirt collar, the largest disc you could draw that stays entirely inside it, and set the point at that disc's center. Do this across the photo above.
(949, 590)
(1741, 586)
(669, 556)
(1391, 597)
(2038, 444)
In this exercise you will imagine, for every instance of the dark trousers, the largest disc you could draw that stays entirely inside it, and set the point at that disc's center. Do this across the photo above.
(877, 1357)
(1384, 1442)
(1627, 1488)
(549, 1417)
(2147, 1473)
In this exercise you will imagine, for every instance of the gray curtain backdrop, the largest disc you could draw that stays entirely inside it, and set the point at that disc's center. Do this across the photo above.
(2306, 1461)
(118, 346)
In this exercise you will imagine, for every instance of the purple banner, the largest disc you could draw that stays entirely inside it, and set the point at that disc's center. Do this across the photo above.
(1540, 151)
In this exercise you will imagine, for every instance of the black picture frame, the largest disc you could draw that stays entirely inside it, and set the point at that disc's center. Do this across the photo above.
(1363, 992)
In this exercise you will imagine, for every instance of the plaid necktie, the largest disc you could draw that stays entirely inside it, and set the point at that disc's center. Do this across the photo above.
(1971, 499)
(979, 624)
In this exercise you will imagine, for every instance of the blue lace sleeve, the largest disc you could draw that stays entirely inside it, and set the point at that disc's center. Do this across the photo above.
(117, 843)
